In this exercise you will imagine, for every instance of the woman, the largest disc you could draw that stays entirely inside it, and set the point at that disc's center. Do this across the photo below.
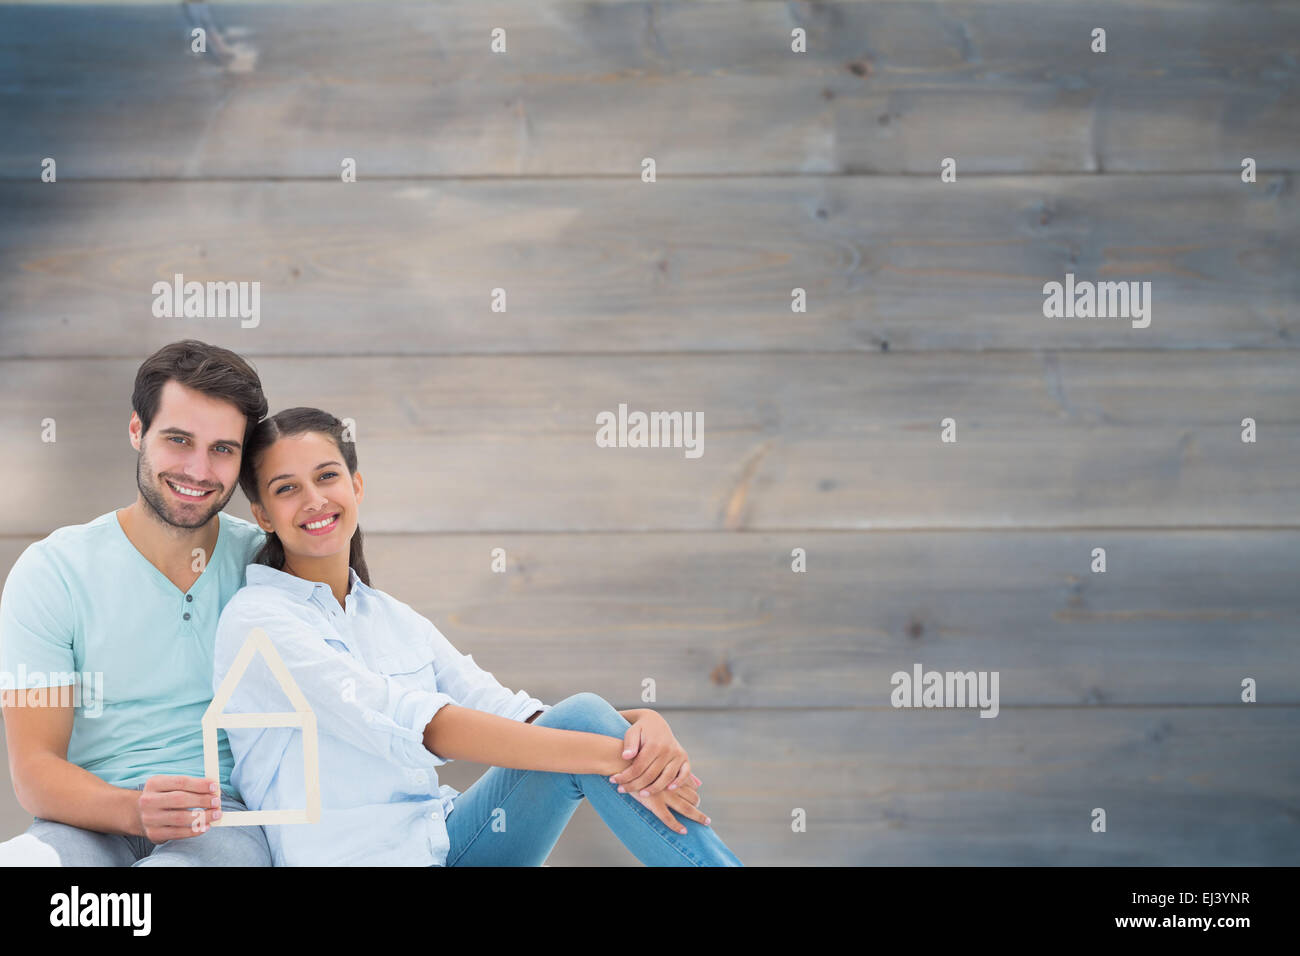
(394, 701)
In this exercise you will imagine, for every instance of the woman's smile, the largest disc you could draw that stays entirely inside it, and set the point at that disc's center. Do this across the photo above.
(321, 525)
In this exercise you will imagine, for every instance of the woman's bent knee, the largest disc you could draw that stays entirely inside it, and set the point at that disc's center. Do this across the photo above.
(587, 711)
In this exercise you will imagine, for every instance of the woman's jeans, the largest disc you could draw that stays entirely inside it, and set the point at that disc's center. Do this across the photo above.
(538, 804)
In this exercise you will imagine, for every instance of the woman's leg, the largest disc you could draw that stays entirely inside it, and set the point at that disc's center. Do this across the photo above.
(515, 817)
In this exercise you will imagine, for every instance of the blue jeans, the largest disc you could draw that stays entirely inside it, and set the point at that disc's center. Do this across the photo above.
(538, 804)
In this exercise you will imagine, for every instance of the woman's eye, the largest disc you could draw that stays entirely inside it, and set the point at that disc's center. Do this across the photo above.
(282, 488)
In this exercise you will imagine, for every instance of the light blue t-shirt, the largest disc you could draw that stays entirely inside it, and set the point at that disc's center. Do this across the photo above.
(84, 607)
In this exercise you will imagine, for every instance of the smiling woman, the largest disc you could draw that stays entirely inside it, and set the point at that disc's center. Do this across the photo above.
(302, 504)
(393, 700)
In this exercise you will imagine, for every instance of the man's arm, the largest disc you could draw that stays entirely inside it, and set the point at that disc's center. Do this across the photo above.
(37, 626)
(50, 787)
(462, 733)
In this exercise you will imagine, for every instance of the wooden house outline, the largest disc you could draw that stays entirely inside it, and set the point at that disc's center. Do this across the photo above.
(258, 642)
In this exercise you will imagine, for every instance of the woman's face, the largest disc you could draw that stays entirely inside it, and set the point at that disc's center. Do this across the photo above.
(307, 497)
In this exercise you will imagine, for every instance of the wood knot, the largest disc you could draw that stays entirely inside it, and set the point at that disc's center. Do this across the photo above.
(915, 629)
(721, 674)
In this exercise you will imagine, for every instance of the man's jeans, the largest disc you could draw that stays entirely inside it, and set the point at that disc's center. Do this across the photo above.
(47, 843)
(536, 805)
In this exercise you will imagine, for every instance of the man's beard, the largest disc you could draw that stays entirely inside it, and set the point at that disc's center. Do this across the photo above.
(170, 512)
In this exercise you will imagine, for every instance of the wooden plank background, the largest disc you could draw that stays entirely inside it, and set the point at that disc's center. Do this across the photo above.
(708, 267)
(821, 430)
(707, 88)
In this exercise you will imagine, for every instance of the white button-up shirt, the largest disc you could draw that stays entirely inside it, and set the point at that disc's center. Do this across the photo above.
(374, 673)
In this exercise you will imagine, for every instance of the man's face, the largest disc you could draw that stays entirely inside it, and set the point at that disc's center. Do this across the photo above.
(189, 460)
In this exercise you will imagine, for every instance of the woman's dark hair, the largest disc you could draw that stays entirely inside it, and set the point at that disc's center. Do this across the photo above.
(297, 421)
(206, 368)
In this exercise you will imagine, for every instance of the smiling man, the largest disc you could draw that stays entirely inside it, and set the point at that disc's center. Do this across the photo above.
(134, 596)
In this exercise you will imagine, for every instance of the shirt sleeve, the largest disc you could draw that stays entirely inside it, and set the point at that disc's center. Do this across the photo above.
(37, 624)
(469, 685)
(369, 710)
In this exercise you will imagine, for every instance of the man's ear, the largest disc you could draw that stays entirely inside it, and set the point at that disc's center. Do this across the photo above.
(135, 429)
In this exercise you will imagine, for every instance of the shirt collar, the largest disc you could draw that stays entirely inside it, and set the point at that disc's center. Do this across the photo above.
(300, 588)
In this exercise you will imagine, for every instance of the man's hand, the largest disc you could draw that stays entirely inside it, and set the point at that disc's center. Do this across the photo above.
(174, 808)
(685, 801)
(659, 762)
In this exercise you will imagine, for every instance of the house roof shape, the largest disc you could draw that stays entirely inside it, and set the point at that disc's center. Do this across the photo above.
(259, 642)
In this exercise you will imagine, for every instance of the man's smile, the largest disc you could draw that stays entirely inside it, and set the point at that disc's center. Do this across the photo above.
(188, 492)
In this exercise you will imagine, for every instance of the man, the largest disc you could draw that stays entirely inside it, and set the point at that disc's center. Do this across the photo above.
(131, 600)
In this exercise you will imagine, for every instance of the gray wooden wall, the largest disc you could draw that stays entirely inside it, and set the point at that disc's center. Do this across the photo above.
(775, 170)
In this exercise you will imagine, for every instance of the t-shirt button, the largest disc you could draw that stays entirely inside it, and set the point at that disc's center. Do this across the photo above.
(189, 597)
(434, 815)
(187, 615)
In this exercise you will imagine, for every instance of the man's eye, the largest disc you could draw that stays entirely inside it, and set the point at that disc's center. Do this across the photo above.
(329, 474)
(176, 438)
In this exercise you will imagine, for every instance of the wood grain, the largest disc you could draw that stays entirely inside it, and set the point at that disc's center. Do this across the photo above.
(705, 88)
(591, 266)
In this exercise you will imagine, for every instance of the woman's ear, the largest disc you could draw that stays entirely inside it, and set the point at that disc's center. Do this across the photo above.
(259, 514)
(358, 486)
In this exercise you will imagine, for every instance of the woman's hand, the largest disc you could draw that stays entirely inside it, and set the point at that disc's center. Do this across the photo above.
(659, 762)
(685, 801)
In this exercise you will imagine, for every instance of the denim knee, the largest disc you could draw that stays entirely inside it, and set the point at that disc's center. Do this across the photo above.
(589, 712)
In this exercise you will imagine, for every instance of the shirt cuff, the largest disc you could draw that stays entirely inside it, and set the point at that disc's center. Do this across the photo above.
(531, 706)
(422, 706)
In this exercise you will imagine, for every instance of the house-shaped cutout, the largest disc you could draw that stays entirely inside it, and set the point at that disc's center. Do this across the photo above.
(258, 642)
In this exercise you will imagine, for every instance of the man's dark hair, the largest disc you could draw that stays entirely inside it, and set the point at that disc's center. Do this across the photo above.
(205, 368)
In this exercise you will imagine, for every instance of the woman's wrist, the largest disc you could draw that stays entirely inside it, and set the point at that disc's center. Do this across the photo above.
(612, 760)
